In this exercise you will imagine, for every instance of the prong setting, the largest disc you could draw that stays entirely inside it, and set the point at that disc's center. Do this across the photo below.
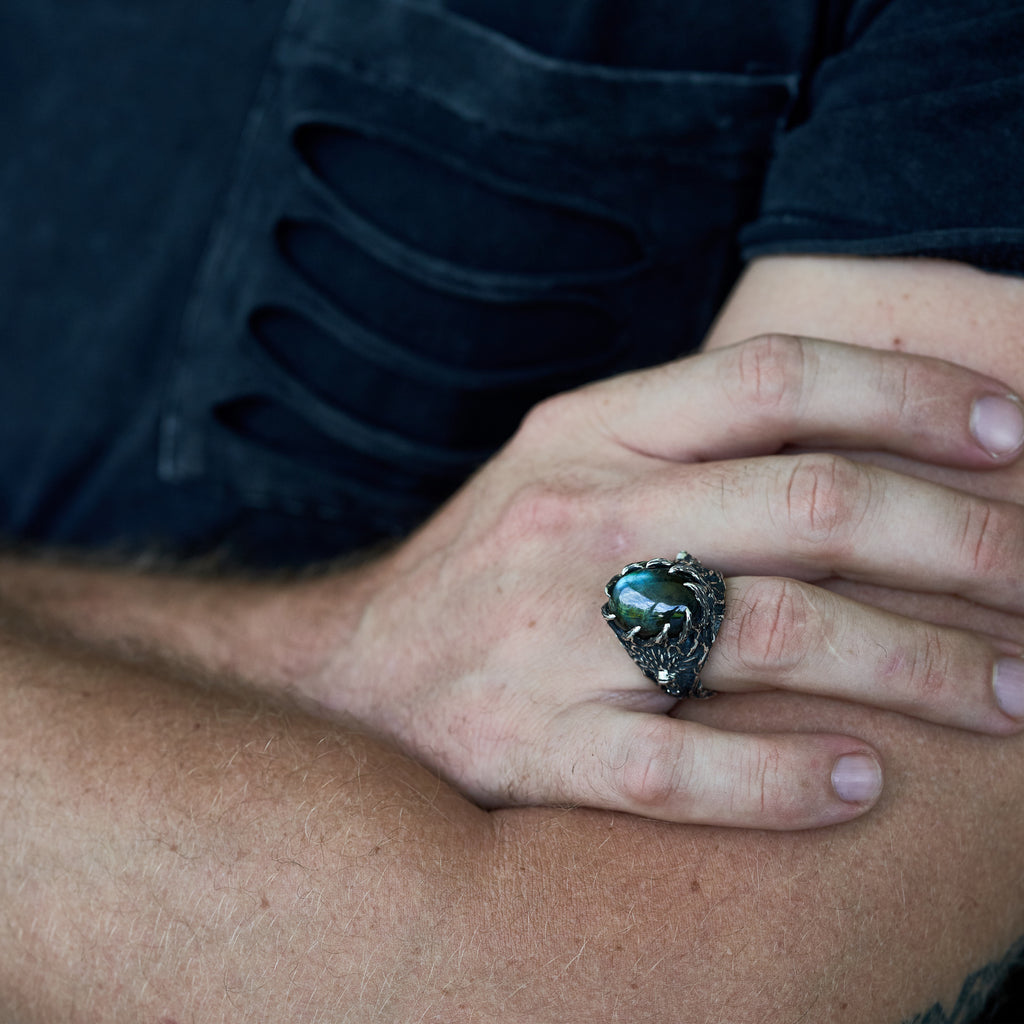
(675, 644)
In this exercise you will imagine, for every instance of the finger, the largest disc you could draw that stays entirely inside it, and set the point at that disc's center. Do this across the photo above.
(784, 634)
(818, 515)
(662, 767)
(757, 396)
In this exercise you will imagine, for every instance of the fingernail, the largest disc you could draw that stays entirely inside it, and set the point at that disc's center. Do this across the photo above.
(997, 423)
(1008, 683)
(857, 778)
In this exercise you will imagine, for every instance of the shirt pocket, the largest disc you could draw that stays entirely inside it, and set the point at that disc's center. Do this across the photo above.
(431, 228)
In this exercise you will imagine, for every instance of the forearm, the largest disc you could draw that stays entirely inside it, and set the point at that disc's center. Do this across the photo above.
(271, 635)
(172, 855)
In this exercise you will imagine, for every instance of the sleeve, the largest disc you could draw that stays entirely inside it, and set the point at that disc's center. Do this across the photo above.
(909, 140)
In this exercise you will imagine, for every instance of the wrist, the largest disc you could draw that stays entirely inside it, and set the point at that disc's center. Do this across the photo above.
(273, 636)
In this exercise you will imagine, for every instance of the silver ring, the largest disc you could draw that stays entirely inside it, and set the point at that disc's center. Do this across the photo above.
(667, 615)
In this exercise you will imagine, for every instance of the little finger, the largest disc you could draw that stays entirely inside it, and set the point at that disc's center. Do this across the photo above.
(662, 767)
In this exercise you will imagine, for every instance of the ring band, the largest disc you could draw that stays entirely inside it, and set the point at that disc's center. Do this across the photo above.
(667, 614)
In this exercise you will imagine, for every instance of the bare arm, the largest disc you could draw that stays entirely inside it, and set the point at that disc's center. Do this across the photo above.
(174, 856)
(388, 897)
(171, 856)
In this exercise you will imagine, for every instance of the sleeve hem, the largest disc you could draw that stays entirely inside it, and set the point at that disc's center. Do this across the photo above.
(1000, 250)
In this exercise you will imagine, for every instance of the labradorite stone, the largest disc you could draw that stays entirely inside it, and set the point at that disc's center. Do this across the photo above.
(649, 598)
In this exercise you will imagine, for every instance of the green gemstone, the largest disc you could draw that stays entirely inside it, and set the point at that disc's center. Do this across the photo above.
(650, 597)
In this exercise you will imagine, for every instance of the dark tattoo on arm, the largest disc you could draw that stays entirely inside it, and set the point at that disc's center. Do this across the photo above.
(983, 998)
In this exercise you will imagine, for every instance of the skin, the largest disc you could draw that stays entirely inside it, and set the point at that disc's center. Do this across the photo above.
(447, 646)
(149, 822)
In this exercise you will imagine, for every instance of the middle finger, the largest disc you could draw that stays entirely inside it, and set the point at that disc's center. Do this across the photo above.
(817, 515)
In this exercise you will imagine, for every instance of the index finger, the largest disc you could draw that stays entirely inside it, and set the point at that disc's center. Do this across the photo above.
(776, 390)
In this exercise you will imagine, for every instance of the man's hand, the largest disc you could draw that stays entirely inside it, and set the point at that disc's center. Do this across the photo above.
(479, 648)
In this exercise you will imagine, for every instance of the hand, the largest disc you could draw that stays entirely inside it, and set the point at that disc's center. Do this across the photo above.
(481, 648)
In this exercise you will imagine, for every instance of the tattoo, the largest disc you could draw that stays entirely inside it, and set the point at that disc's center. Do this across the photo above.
(985, 997)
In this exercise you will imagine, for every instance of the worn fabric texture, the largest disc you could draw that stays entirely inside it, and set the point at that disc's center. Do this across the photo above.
(277, 276)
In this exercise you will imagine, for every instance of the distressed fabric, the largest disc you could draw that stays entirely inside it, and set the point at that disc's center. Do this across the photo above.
(279, 275)
(907, 140)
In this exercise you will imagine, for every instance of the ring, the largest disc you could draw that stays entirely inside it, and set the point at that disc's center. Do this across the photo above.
(667, 615)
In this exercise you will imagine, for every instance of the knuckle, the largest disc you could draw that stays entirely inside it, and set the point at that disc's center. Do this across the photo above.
(548, 418)
(898, 383)
(771, 370)
(981, 532)
(763, 778)
(769, 632)
(655, 766)
(538, 510)
(921, 671)
(823, 499)
(928, 668)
